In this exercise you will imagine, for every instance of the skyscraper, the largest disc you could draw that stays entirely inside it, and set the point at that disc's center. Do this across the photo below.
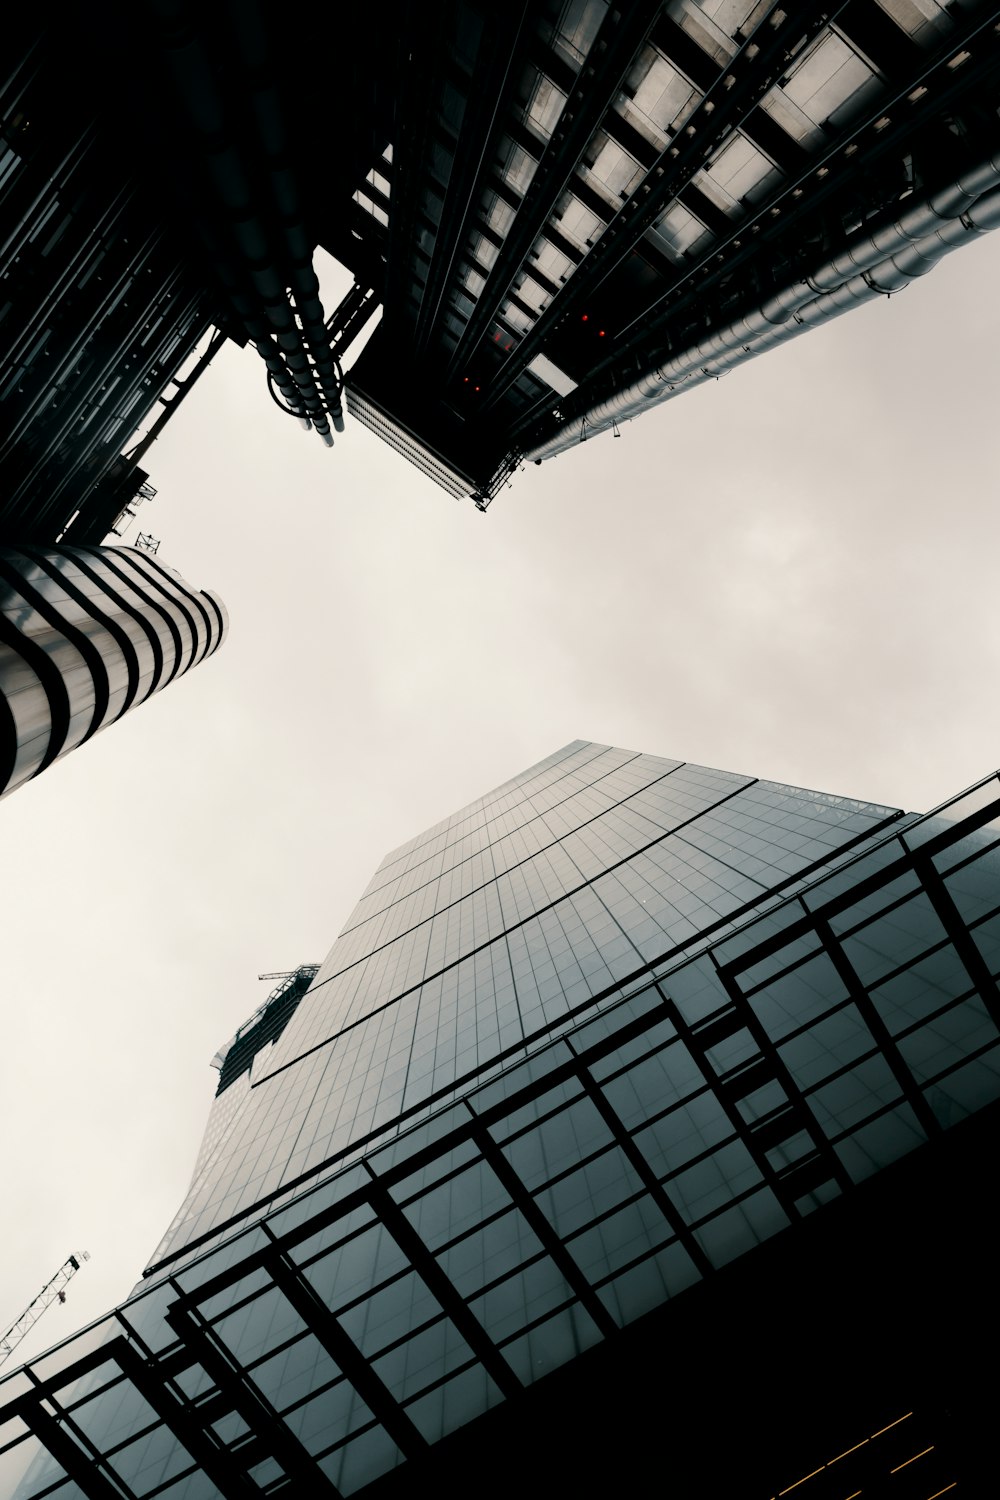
(637, 1121)
(86, 633)
(567, 211)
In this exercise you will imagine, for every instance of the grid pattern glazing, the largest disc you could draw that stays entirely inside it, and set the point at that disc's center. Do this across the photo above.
(477, 938)
(723, 1100)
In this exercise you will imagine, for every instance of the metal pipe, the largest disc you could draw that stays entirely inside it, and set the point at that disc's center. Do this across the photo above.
(263, 306)
(252, 44)
(882, 262)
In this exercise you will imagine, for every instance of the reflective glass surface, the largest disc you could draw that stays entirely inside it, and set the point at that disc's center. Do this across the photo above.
(481, 936)
(677, 1120)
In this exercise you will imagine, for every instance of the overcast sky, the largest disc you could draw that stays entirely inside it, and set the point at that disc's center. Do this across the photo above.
(790, 573)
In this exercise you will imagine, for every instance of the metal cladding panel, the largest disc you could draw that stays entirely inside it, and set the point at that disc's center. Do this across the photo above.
(391, 431)
(85, 634)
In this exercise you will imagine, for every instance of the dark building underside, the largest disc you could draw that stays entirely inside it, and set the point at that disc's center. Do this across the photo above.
(878, 1311)
(565, 212)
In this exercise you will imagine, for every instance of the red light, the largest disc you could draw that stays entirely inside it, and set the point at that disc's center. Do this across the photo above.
(584, 318)
(601, 334)
(477, 387)
(466, 379)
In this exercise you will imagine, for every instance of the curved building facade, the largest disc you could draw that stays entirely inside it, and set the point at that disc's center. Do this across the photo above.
(86, 633)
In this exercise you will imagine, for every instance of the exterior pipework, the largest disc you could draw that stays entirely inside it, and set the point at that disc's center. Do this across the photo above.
(876, 265)
(272, 140)
(101, 308)
(266, 311)
(85, 634)
(192, 78)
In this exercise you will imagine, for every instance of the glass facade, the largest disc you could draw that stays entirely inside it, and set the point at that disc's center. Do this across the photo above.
(85, 634)
(582, 1051)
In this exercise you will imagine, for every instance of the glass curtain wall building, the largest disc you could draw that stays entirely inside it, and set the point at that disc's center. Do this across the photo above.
(638, 1116)
(86, 633)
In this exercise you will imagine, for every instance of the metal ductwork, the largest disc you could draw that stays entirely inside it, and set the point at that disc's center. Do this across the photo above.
(257, 244)
(876, 264)
(295, 248)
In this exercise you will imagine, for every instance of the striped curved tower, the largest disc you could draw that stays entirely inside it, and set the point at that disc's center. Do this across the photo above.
(86, 633)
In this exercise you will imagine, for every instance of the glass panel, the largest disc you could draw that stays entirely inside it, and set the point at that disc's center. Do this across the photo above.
(924, 987)
(893, 940)
(151, 1460)
(326, 1420)
(522, 1298)
(626, 1236)
(653, 1085)
(559, 1339)
(557, 1143)
(841, 1104)
(591, 1190)
(366, 1260)
(648, 1285)
(454, 1403)
(883, 1141)
(390, 1314)
(701, 1189)
(263, 1323)
(423, 1360)
(686, 1132)
(740, 1228)
(967, 1089)
(287, 1377)
(948, 1039)
(489, 1253)
(827, 1046)
(364, 1458)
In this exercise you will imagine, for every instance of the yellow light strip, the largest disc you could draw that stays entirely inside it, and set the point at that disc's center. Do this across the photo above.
(894, 1424)
(912, 1460)
(847, 1451)
(802, 1481)
(947, 1487)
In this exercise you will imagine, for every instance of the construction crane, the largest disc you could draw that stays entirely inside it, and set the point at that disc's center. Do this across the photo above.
(52, 1291)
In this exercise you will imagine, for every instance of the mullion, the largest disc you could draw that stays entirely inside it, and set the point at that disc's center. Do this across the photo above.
(767, 1048)
(180, 1420)
(555, 843)
(654, 1188)
(248, 1400)
(879, 1030)
(698, 1042)
(440, 1286)
(935, 1015)
(547, 1236)
(346, 1355)
(961, 937)
(77, 1463)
